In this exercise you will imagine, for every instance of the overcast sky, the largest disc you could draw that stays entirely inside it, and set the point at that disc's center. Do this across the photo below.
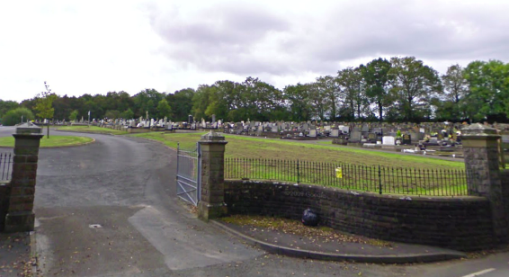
(99, 46)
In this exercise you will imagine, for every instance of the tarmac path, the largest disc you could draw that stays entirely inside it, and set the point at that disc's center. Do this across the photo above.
(109, 209)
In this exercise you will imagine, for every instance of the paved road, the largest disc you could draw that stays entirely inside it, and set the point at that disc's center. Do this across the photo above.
(109, 209)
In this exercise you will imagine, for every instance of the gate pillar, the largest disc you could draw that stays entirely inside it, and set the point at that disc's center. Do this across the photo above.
(211, 203)
(484, 177)
(20, 216)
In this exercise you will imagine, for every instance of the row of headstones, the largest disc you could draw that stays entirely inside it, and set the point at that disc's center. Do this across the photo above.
(411, 133)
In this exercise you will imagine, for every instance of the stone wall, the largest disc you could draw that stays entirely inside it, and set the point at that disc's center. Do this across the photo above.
(462, 223)
(4, 203)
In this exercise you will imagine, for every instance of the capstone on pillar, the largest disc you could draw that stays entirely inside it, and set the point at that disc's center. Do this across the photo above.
(20, 216)
(212, 203)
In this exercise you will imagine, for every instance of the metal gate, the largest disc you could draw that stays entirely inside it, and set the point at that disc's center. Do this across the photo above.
(188, 174)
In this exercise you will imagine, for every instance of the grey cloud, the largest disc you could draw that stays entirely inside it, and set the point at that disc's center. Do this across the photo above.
(251, 40)
(221, 38)
(425, 33)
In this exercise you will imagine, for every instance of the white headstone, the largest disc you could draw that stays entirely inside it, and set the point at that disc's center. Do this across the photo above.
(388, 140)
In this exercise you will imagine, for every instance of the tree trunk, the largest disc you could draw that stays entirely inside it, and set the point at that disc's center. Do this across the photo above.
(47, 130)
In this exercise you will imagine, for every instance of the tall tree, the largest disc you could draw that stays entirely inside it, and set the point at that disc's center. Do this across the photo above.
(44, 105)
(329, 88)
(201, 100)
(489, 88)
(299, 102)
(163, 109)
(455, 88)
(413, 85)
(353, 86)
(375, 74)
(181, 103)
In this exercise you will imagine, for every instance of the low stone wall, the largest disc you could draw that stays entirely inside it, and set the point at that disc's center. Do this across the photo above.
(461, 223)
(4, 202)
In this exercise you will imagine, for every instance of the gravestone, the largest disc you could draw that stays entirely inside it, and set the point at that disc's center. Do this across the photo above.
(406, 140)
(365, 130)
(312, 133)
(388, 140)
(433, 141)
(355, 136)
(334, 133)
(371, 138)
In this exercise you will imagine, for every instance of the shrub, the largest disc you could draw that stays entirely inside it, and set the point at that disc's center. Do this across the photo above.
(13, 117)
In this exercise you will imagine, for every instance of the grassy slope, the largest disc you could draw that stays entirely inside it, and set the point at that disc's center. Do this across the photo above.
(91, 129)
(53, 141)
(253, 147)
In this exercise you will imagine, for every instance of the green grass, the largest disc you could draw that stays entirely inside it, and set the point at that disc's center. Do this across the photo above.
(274, 159)
(260, 148)
(91, 129)
(53, 141)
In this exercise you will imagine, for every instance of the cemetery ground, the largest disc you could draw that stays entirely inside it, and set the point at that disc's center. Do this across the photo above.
(109, 209)
(267, 148)
(259, 158)
(52, 141)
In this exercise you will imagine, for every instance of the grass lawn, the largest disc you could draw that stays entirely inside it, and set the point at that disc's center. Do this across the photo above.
(53, 141)
(91, 129)
(261, 148)
(274, 159)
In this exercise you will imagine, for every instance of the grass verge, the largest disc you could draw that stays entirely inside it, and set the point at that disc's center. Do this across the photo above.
(53, 141)
(91, 129)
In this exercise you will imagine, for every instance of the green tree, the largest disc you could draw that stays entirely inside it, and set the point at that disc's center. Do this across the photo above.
(13, 117)
(201, 100)
(74, 115)
(375, 73)
(489, 88)
(112, 114)
(163, 109)
(353, 87)
(414, 85)
(44, 105)
(181, 103)
(299, 103)
(455, 88)
(6, 106)
(329, 88)
(128, 114)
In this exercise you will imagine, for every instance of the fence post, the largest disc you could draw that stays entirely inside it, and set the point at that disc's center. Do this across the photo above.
(20, 216)
(298, 173)
(480, 149)
(379, 180)
(211, 203)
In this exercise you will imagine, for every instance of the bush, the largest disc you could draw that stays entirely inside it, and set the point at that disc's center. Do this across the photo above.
(13, 117)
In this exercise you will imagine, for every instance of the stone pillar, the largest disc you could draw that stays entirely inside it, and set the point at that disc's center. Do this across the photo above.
(20, 216)
(480, 148)
(211, 203)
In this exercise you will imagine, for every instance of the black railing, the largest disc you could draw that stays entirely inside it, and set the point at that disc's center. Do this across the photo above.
(378, 179)
(5, 166)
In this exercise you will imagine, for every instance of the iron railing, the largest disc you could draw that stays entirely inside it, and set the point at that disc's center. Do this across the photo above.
(378, 179)
(5, 166)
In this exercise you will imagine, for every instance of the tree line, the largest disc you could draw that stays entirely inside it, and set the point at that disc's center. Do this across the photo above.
(397, 89)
